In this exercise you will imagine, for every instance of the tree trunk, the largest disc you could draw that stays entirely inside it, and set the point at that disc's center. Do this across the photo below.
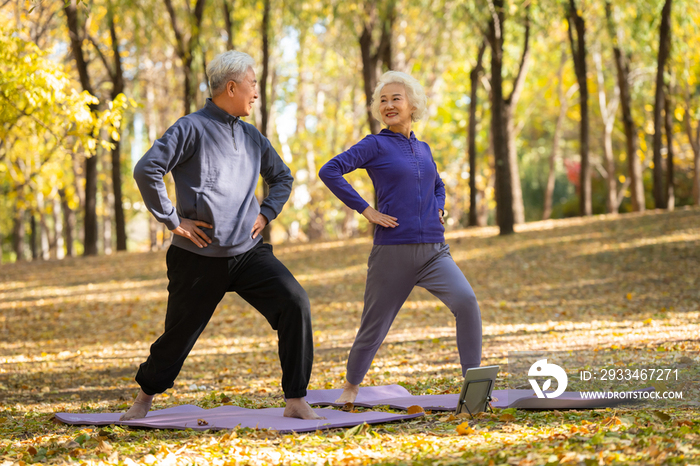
(610, 180)
(471, 135)
(316, 225)
(551, 176)
(369, 75)
(117, 88)
(165, 236)
(153, 232)
(229, 24)
(187, 97)
(670, 188)
(504, 193)
(511, 104)
(90, 240)
(69, 222)
(185, 48)
(119, 218)
(59, 243)
(694, 139)
(265, 67)
(264, 107)
(349, 224)
(90, 223)
(483, 202)
(371, 59)
(623, 83)
(696, 175)
(107, 209)
(578, 51)
(33, 236)
(301, 85)
(18, 232)
(607, 112)
(518, 205)
(664, 52)
(44, 243)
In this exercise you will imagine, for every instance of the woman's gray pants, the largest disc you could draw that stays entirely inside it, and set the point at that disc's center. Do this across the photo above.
(393, 271)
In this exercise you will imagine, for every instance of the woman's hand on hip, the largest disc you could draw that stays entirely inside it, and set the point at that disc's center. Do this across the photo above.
(379, 218)
(441, 216)
(189, 229)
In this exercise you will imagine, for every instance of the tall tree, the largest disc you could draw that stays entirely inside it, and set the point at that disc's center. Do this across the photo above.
(670, 167)
(115, 72)
(471, 134)
(622, 66)
(186, 44)
(264, 106)
(228, 21)
(511, 102)
(692, 129)
(374, 55)
(662, 58)
(504, 187)
(608, 109)
(76, 39)
(556, 137)
(578, 51)
(18, 230)
(68, 221)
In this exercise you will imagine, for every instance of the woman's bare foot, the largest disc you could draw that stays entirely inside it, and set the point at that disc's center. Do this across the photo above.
(349, 393)
(141, 406)
(299, 408)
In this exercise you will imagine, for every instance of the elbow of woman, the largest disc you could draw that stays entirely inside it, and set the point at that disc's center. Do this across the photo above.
(325, 173)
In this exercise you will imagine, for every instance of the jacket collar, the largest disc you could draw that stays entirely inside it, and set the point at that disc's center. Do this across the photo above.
(388, 132)
(218, 114)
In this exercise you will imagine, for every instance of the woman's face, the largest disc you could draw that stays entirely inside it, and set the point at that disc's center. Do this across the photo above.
(394, 106)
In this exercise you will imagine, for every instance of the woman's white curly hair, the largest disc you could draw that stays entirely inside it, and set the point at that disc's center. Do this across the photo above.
(414, 93)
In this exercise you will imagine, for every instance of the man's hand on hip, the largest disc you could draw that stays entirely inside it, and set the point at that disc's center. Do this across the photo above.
(259, 225)
(189, 229)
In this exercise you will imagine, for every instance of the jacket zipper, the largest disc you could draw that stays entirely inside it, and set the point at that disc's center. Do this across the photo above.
(233, 134)
(420, 223)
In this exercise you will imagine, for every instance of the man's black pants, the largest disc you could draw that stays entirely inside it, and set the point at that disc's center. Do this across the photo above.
(199, 283)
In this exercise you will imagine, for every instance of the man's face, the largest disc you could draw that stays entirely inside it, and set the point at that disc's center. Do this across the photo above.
(244, 95)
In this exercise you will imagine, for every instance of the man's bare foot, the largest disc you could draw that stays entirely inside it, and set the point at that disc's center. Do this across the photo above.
(141, 406)
(349, 393)
(299, 408)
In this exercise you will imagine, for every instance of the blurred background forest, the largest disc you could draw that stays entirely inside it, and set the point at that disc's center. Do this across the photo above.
(538, 108)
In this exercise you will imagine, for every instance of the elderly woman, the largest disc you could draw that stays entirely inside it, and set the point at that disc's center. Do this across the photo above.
(409, 242)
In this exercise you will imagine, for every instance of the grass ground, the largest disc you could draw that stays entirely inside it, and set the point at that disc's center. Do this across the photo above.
(73, 332)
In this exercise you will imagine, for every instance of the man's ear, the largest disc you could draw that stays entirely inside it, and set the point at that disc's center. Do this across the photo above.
(231, 88)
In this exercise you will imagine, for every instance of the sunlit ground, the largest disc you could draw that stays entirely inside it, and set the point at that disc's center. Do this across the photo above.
(72, 334)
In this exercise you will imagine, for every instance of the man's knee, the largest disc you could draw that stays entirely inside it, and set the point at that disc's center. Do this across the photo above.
(295, 300)
(296, 294)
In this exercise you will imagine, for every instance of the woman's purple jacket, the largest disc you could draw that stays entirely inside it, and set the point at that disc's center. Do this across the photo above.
(406, 180)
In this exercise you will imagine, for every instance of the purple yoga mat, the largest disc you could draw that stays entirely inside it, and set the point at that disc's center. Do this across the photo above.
(229, 417)
(394, 396)
(397, 397)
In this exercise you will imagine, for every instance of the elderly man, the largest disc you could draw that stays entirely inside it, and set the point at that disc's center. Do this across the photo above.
(215, 159)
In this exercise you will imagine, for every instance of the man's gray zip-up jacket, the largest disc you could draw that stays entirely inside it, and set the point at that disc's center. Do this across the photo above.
(215, 159)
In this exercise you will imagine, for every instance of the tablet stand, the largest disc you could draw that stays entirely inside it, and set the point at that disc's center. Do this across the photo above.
(488, 398)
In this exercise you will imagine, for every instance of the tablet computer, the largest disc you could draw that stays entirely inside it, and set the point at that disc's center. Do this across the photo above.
(476, 389)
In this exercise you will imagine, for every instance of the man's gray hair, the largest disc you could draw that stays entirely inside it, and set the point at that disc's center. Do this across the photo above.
(225, 67)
